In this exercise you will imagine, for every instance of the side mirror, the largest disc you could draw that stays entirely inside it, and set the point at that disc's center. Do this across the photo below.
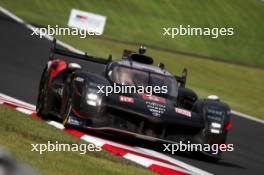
(182, 79)
(184, 72)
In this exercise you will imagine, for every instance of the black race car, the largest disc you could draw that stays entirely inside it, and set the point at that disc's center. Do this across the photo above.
(72, 93)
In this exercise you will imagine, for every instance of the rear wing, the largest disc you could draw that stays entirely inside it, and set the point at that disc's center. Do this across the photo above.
(55, 50)
(182, 79)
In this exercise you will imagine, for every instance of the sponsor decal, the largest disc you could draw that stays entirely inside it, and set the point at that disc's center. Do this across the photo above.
(156, 109)
(183, 112)
(215, 112)
(154, 98)
(126, 99)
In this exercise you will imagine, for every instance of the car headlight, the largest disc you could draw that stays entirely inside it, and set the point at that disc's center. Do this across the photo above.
(93, 99)
(92, 96)
(215, 128)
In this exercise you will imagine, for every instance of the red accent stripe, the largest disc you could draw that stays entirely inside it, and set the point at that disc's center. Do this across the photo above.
(165, 170)
(74, 132)
(54, 71)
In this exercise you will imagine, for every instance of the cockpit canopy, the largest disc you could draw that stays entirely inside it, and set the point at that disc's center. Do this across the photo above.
(130, 76)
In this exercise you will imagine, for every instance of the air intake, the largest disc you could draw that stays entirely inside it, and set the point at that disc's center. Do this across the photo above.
(141, 58)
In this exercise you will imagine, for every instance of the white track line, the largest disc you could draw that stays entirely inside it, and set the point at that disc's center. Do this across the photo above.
(247, 116)
(56, 124)
(5, 11)
(147, 162)
(14, 100)
(25, 111)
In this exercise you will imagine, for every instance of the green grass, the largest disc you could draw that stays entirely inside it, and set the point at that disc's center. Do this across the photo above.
(241, 87)
(142, 22)
(19, 131)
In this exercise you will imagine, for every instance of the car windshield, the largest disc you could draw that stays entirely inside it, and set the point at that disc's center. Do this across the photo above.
(134, 77)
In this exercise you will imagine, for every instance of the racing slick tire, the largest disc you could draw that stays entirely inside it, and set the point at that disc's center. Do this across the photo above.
(42, 94)
(69, 120)
(66, 105)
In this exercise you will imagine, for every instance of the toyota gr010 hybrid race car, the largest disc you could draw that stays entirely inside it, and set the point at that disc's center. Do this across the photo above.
(68, 91)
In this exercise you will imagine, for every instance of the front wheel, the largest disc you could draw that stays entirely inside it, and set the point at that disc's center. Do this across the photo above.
(66, 106)
(42, 95)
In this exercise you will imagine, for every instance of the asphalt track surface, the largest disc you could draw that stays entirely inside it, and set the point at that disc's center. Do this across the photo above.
(23, 56)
